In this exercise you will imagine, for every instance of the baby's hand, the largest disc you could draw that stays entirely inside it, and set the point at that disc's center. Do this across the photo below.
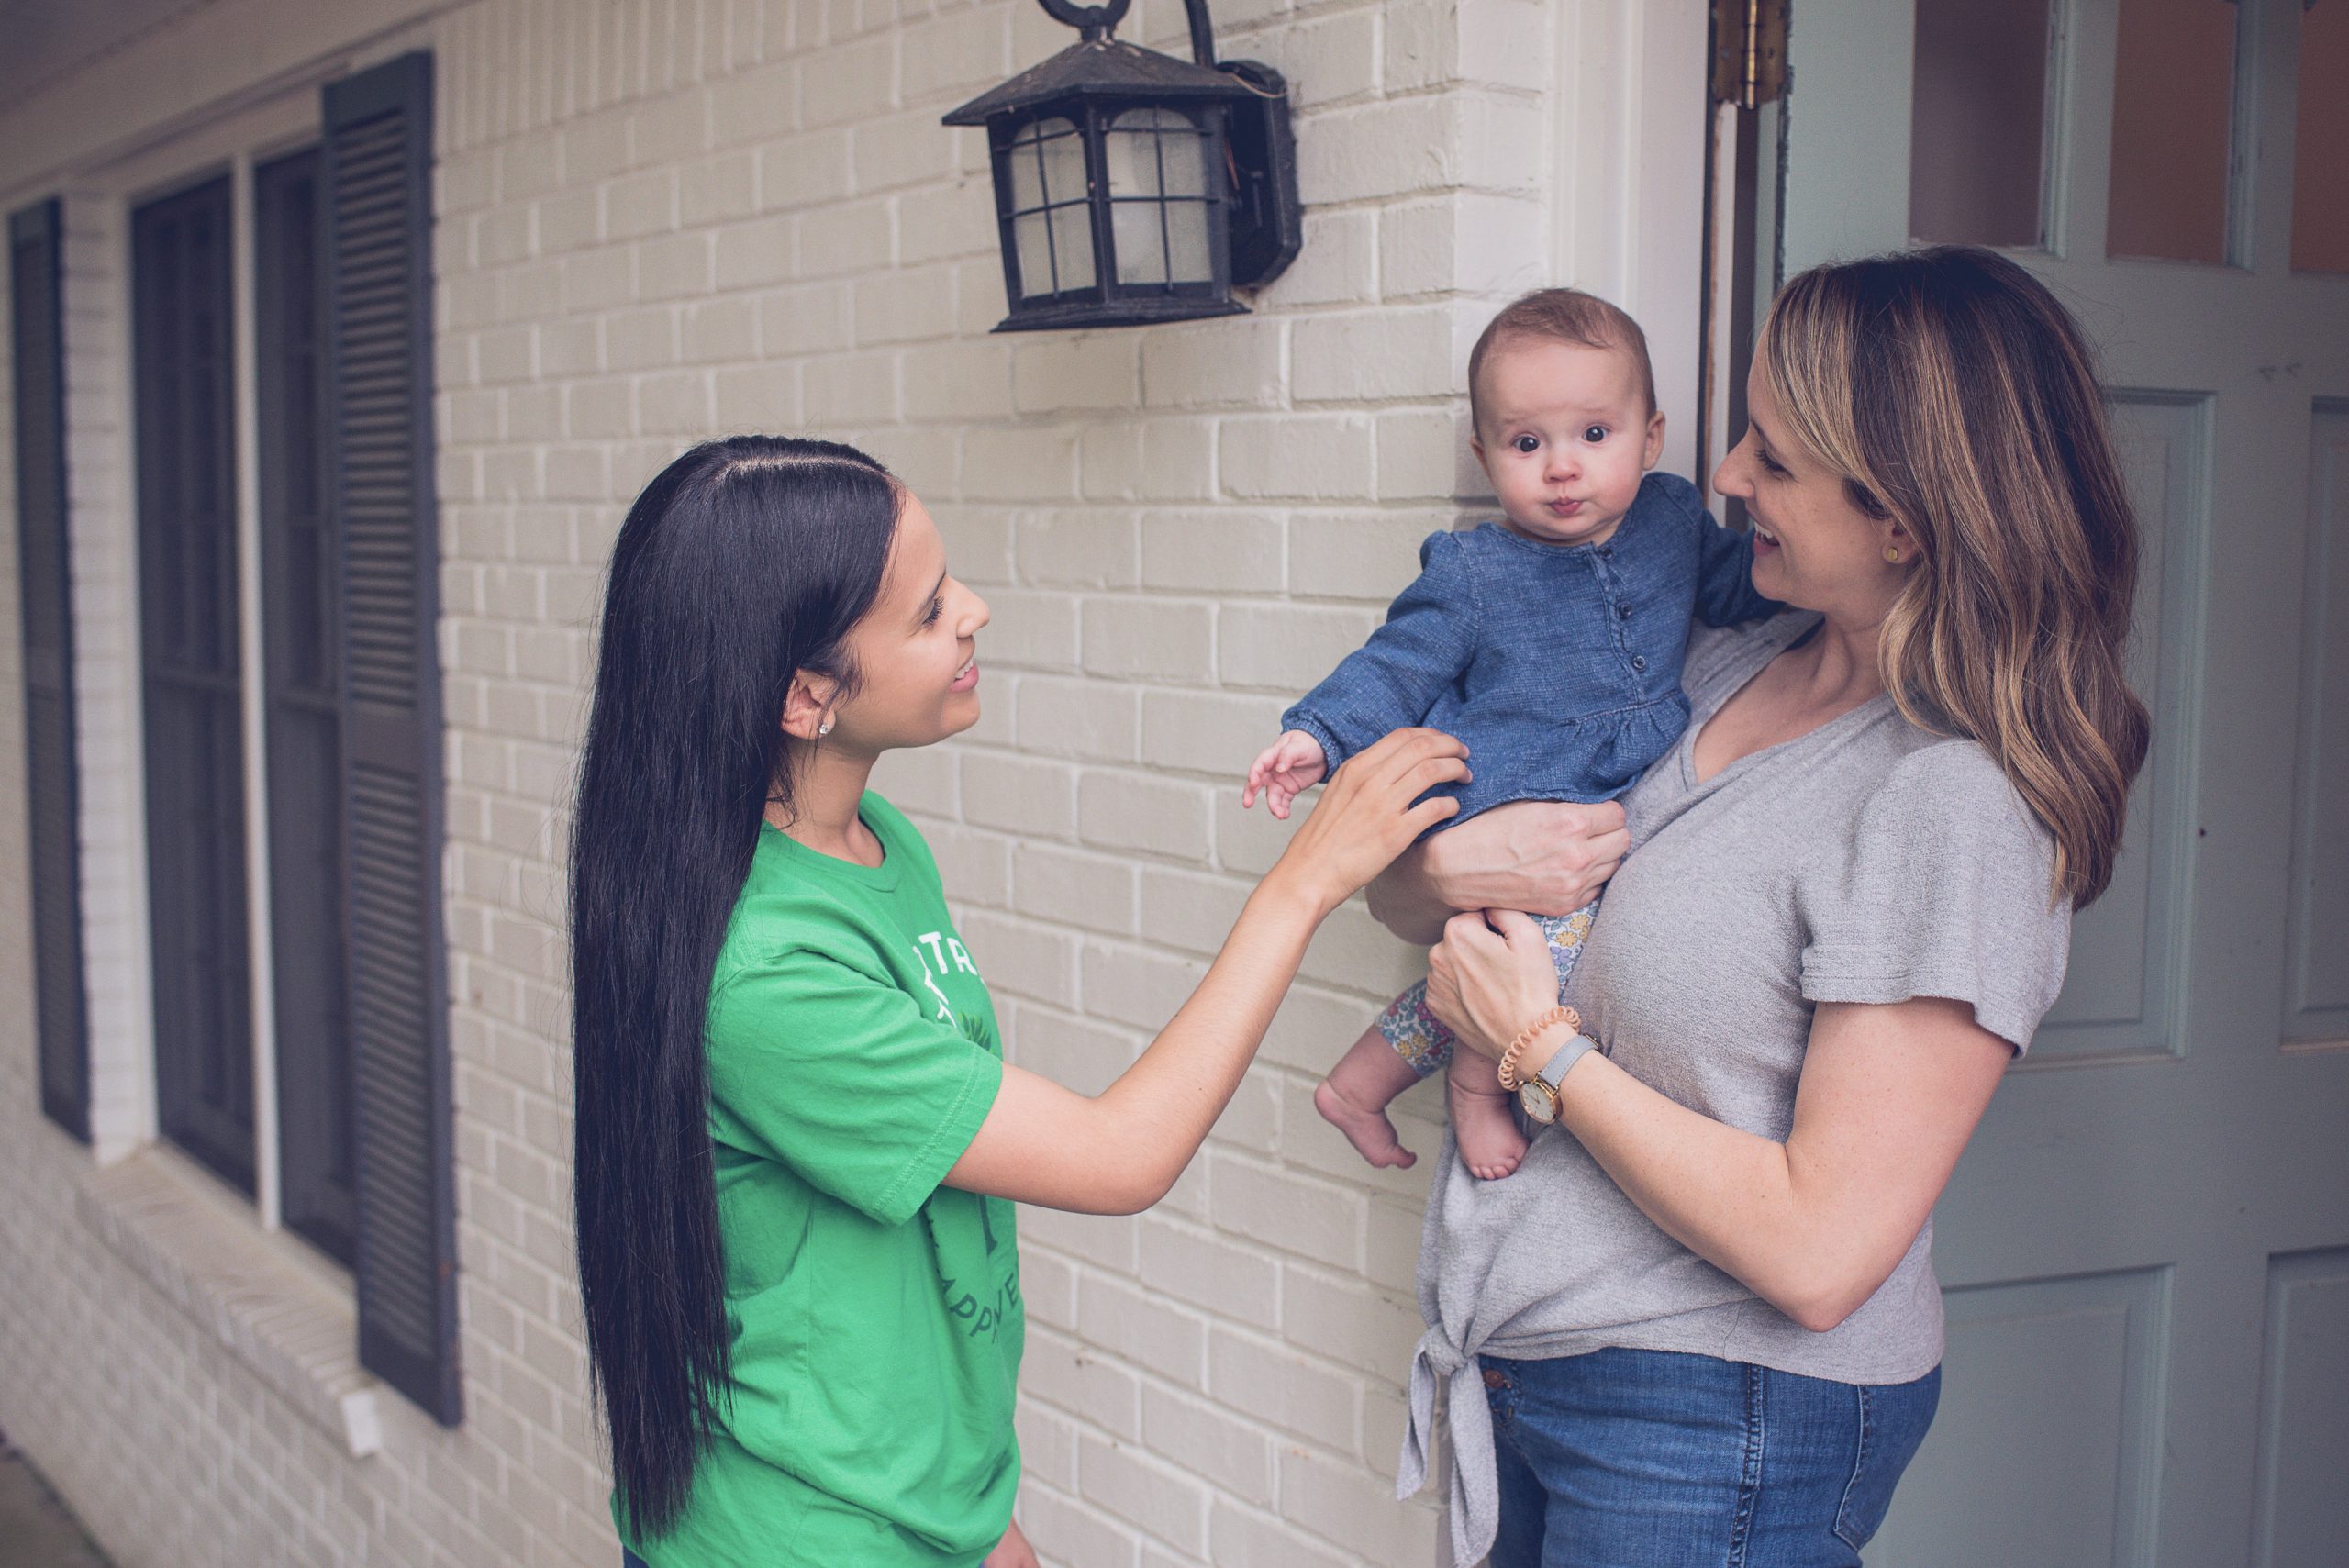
(1290, 766)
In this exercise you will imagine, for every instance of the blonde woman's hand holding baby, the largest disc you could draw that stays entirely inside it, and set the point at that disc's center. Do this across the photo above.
(1490, 976)
(1547, 857)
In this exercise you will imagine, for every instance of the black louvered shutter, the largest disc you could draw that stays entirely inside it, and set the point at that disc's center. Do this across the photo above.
(37, 316)
(376, 183)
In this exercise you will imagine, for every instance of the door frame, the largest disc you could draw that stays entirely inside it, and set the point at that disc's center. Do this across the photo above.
(1629, 149)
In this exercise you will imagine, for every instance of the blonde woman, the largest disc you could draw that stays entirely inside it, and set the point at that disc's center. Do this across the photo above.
(1701, 1324)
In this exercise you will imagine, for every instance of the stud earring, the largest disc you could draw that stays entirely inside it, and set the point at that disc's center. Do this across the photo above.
(824, 728)
(1892, 553)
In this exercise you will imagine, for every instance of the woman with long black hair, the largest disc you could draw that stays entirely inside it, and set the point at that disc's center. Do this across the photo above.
(798, 1145)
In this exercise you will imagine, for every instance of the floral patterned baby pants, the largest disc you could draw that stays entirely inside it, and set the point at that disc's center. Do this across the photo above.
(1426, 1044)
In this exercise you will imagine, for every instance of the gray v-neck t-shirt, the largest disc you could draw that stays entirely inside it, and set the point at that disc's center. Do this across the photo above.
(1868, 861)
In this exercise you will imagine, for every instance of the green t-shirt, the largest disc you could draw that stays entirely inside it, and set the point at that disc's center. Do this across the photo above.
(875, 1315)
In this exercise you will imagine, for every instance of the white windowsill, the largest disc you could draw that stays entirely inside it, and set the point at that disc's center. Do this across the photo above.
(272, 1311)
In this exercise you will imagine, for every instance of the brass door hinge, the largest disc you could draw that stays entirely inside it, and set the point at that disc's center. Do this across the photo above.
(1749, 52)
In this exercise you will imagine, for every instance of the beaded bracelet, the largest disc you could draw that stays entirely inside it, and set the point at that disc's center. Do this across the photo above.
(1560, 1013)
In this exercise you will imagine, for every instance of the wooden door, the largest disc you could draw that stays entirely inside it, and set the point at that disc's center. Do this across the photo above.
(2146, 1248)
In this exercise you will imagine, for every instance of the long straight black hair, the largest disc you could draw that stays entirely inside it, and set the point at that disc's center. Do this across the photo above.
(746, 560)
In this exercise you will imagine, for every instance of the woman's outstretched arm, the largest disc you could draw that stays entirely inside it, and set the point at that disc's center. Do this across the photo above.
(1545, 857)
(1889, 1096)
(1118, 1152)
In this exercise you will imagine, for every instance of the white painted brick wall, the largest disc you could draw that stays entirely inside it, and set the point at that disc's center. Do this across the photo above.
(665, 218)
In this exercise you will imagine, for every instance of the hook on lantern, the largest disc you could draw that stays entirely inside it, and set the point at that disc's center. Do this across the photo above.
(1093, 21)
(1132, 187)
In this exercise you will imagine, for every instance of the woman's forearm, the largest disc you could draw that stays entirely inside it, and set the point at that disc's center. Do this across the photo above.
(1158, 1112)
(1889, 1096)
(1120, 1150)
(1725, 1194)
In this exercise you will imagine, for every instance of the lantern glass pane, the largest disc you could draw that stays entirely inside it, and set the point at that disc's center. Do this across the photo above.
(1030, 233)
(1027, 178)
(1139, 232)
(1047, 164)
(1073, 245)
(1154, 152)
(1052, 225)
(1158, 188)
(1187, 261)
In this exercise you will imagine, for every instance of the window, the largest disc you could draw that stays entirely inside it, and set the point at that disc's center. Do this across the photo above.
(287, 546)
(192, 631)
(301, 616)
(190, 682)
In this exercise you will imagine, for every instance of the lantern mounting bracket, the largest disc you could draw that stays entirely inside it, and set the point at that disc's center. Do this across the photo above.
(1100, 21)
(1265, 228)
(1093, 21)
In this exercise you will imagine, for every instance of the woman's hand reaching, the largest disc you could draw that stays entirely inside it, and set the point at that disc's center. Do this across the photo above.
(1365, 816)
(1120, 1150)
(1490, 976)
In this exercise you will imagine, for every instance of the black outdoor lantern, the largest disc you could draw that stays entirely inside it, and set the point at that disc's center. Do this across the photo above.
(1133, 187)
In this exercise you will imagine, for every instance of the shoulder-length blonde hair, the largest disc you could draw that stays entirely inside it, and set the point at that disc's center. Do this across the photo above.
(1955, 395)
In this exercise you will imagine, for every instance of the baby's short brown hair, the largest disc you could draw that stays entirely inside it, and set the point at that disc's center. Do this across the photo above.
(1565, 315)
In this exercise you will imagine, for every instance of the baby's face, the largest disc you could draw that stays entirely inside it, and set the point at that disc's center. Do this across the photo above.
(1566, 435)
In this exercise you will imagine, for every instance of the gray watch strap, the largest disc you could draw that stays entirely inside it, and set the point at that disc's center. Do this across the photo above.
(1554, 1071)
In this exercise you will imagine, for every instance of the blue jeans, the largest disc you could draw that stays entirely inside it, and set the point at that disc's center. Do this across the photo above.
(629, 1559)
(1653, 1459)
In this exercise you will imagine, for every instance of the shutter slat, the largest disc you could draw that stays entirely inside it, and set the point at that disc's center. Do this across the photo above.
(377, 220)
(37, 315)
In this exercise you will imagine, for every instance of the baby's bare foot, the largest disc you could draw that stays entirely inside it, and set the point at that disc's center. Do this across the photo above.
(1369, 1131)
(1490, 1145)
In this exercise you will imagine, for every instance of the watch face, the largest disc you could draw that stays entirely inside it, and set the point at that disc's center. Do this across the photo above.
(1535, 1100)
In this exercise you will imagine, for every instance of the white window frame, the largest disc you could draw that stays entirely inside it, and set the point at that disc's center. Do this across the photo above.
(1627, 160)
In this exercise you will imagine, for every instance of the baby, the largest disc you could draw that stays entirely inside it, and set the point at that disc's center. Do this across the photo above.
(1549, 641)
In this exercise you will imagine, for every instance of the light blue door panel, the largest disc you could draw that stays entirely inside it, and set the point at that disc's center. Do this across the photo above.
(2316, 1002)
(2075, 1485)
(2303, 1497)
(2120, 992)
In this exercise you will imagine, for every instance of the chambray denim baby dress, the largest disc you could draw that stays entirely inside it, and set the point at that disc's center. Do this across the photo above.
(1558, 664)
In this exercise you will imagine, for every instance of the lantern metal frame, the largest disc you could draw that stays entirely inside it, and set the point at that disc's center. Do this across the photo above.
(1238, 108)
